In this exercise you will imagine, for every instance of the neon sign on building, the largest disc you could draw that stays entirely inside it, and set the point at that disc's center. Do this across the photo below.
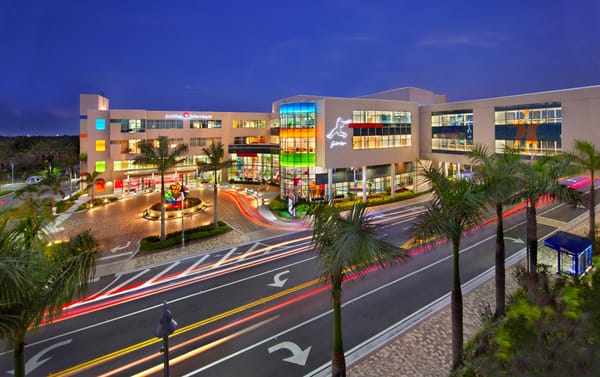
(337, 132)
(187, 115)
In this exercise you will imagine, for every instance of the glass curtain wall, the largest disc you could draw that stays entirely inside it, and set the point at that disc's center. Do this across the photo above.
(452, 131)
(297, 149)
(535, 129)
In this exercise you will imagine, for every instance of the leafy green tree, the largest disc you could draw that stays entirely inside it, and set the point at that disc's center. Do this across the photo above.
(500, 181)
(345, 243)
(215, 153)
(455, 205)
(55, 274)
(163, 157)
(540, 179)
(586, 158)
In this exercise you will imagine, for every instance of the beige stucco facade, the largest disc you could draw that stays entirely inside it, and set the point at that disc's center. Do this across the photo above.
(576, 117)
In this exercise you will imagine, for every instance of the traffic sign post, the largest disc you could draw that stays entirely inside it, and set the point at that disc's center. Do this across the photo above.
(166, 328)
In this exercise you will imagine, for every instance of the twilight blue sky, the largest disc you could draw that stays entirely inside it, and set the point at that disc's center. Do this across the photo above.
(242, 55)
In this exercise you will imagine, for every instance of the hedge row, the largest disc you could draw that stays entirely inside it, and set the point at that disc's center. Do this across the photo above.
(174, 238)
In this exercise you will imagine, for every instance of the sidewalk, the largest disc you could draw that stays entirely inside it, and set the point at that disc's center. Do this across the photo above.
(425, 349)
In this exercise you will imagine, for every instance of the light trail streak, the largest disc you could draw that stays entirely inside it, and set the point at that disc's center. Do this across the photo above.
(113, 355)
(206, 347)
(144, 289)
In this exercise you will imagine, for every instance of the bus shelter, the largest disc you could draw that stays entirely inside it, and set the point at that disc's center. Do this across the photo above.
(574, 252)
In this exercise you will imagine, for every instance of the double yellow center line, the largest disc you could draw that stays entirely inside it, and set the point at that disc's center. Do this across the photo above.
(113, 355)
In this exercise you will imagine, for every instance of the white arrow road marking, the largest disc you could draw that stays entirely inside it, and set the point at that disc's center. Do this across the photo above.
(277, 281)
(117, 248)
(34, 362)
(298, 355)
(515, 240)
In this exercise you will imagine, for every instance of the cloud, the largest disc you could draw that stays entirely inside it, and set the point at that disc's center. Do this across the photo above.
(486, 40)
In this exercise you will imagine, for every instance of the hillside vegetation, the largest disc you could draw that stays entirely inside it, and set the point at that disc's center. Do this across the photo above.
(32, 154)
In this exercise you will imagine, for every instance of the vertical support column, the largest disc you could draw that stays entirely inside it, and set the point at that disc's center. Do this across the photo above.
(393, 180)
(364, 183)
(330, 185)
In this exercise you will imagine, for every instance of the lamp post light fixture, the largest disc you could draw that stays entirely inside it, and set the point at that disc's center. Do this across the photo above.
(166, 328)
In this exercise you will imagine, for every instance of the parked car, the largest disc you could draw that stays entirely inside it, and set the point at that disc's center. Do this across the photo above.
(34, 179)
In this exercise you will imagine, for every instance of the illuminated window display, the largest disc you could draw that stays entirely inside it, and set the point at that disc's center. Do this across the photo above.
(452, 131)
(238, 123)
(380, 129)
(535, 129)
(297, 141)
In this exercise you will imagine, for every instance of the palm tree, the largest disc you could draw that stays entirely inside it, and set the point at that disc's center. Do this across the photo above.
(455, 205)
(498, 175)
(587, 158)
(12, 274)
(542, 178)
(345, 243)
(90, 182)
(215, 153)
(53, 183)
(163, 157)
(83, 157)
(55, 274)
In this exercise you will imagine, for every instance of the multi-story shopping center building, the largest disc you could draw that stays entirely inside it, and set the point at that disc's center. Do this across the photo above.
(321, 147)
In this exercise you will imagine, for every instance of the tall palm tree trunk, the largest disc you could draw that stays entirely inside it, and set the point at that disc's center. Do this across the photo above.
(215, 198)
(456, 308)
(19, 354)
(338, 361)
(532, 240)
(500, 268)
(163, 214)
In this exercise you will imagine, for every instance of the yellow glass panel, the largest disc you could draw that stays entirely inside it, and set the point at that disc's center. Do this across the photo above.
(100, 145)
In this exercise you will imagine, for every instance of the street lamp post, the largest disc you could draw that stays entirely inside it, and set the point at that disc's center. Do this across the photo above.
(12, 176)
(182, 194)
(166, 328)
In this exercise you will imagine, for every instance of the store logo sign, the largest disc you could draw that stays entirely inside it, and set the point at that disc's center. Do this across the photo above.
(187, 115)
(337, 133)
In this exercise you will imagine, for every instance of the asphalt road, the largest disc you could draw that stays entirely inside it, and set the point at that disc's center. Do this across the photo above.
(256, 309)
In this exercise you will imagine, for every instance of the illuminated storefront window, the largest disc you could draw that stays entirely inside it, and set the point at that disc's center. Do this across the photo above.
(206, 123)
(131, 125)
(380, 129)
(238, 123)
(452, 131)
(534, 129)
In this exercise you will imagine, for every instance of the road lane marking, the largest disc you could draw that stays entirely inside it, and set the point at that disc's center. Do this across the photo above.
(194, 265)
(160, 274)
(129, 280)
(248, 252)
(225, 257)
(148, 342)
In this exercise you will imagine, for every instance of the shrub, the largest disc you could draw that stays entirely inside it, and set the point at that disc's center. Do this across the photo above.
(174, 238)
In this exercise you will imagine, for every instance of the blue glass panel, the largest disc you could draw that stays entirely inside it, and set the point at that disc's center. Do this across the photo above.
(100, 124)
